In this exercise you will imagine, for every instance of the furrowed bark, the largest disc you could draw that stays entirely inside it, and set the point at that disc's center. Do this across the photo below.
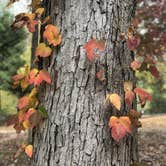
(77, 132)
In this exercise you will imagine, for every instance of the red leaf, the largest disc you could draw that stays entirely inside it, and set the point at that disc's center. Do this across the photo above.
(129, 96)
(92, 46)
(154, 71)
(133, 42)
(23, 102)
(143, 96)
(31, 25)
(118, 132)
(120, 126)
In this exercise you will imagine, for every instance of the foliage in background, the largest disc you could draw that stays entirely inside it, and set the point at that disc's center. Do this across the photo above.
(11, 46)
(153, 34)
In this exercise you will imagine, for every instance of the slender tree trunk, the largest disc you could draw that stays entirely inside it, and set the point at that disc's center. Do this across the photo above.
(77, 132)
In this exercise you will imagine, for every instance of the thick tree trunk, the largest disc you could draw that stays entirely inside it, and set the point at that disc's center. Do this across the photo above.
(77, 132)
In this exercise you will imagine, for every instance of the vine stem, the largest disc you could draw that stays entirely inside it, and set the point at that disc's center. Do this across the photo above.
(39, 29)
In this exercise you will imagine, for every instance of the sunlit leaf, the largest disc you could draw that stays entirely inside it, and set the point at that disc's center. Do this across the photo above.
(52, 35)
(29, 150)
(128, 86)
(42, 50)
(115, 100)
(39, 11)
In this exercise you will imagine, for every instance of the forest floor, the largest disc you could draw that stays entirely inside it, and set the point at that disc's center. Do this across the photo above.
(152, 143)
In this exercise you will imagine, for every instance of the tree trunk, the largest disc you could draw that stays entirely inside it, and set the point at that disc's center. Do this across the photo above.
(77, 132)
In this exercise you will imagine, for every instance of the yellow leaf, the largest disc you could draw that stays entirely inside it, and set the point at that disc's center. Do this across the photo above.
(42, 50)
(128, 86)
(39, 11)
(29, 150)
(26, 124)
(52, 35)
(115, 100)
(24, 84)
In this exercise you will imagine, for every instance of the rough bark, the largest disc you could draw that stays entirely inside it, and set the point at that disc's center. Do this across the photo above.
(77, 132)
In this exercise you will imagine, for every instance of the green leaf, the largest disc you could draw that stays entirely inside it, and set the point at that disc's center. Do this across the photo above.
(43, 112)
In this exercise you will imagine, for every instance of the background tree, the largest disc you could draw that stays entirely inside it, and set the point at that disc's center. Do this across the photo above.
(12, 45)
(77, 131)
(151, 26)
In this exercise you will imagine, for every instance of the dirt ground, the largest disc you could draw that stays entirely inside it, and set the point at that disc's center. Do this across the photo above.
(152, 140)
(152, 143)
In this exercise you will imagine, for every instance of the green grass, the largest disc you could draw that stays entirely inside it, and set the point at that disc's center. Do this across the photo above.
(8, 103)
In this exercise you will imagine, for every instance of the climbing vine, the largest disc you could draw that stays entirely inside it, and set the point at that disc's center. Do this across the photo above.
(31, 112)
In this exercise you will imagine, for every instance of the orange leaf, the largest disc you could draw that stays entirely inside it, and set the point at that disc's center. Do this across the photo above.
(37, 77)
(23, 102)
(92, 46)
(42, 50)
(115, 100)
(135, 65)
(52, 35)
(18, 77)
(29, 113)
(29, 150)
(129, 96)
(45, 76)
(32, 75)
(143, 96)
(154, 71)
(21, 115)
(120, 126)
